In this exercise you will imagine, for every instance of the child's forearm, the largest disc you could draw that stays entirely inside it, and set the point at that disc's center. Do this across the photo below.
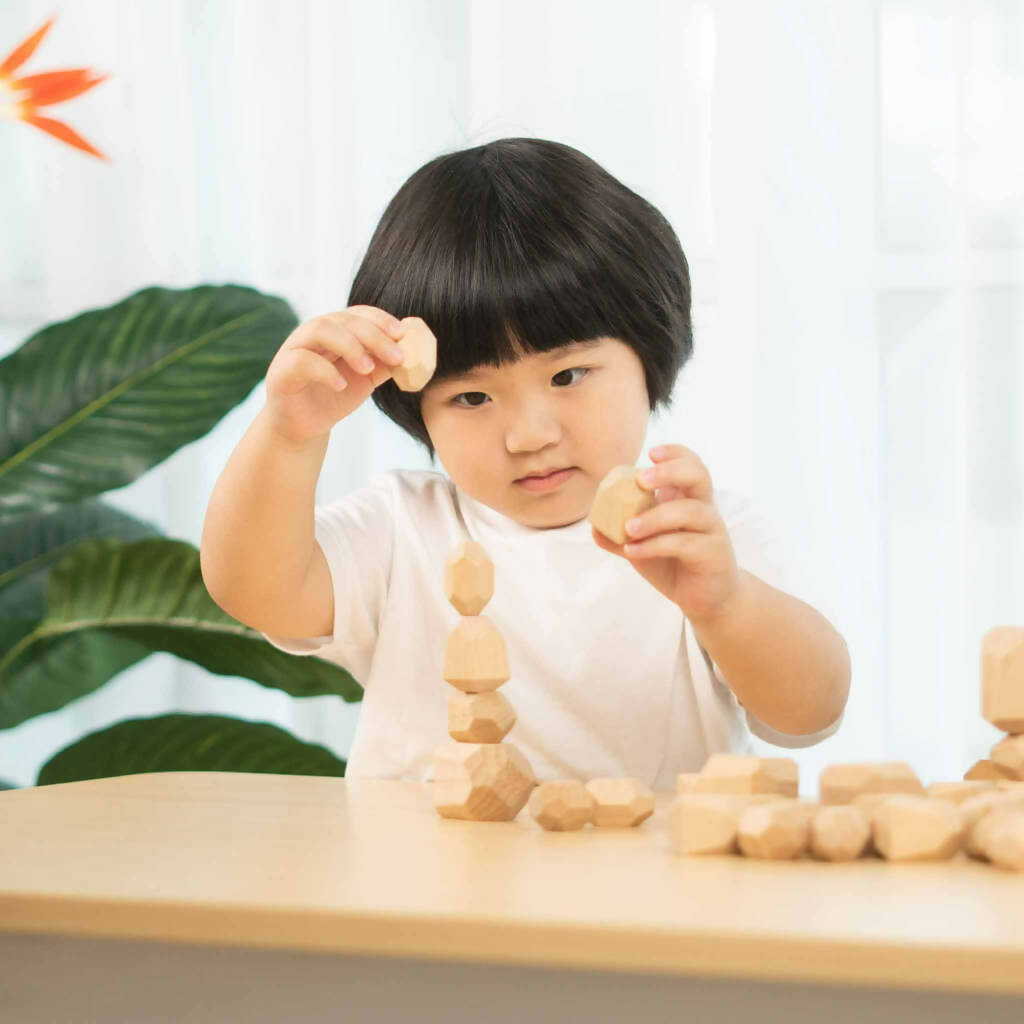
(782, 658)
(258, 535)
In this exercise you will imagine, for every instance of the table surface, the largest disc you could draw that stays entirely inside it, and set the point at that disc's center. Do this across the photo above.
(367, 866)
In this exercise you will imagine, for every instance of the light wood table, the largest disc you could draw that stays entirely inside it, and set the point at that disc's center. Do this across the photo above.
(219, 896)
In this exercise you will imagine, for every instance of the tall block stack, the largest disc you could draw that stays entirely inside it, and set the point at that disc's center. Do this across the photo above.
(479, 777)
(1002, 702)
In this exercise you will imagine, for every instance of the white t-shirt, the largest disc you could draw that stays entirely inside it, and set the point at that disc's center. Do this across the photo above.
(607, 677)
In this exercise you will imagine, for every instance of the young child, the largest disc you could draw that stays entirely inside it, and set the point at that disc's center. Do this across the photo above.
(560, 301)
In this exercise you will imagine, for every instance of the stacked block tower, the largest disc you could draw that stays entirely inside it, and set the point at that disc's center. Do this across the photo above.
(478, 777)
(1002, 702)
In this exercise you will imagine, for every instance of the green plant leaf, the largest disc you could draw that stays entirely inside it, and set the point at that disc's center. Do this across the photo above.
(125, 599)
(30, 547)
(91, 403)
(188, 743)
(4, 784)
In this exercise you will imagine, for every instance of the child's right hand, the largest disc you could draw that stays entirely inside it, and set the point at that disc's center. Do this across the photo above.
(317, 377)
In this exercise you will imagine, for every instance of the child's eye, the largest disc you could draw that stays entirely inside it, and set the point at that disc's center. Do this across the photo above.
(476, 405)
(575, 369)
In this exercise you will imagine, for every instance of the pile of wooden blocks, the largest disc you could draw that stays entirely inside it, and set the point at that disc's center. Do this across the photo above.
(750, 805)
(481, 778)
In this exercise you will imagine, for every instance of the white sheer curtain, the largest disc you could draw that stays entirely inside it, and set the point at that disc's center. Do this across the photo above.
(846, 179)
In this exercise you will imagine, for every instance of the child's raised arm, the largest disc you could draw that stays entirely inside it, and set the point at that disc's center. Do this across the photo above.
(259, 557)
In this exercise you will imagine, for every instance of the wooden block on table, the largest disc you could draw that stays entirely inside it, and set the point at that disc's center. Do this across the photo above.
(1002, 677)
(479, 717)
(476, 659)
(706, 823)
(1008, 754)
(469, 578)
(562, 805)
(977, 808)
(840, 832)
(958, 792)
(775, 829)
(917, 828)
(481, 781)
(841, 783)
(419, 346)
(685, 782)
(985, 771)
(1001, 837)
(618, 499)
(738, 773)
(620, 803)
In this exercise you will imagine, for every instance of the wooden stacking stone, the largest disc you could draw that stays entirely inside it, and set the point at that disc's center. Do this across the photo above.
(481, 781)
(469, 578)
(840, 832)
(985, 771)
(841, 783)
(775, 829)
(620, 803)
(562, 805)
(1008, 754)
(476, 659)
(479, 717)
(618, 499)
(917, 828)
(419, 348)
(741, 774)
(958, 792)
(1002, 678)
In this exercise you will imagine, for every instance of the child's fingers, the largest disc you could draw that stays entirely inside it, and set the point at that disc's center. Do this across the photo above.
(301, 366)
(354, 339)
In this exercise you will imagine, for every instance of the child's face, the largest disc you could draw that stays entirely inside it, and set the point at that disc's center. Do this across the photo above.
(584, 407)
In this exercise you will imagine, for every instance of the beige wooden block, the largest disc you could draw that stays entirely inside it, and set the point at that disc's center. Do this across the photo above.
(481, 781)
(985, 771)
(958, 792)
(738, 773)
(469, 578)
(476, 659)
(1002, 839)
(562, 805)
(841, 783)
(1013, 785)
(706, 823)
(1002, 677)
(977, 808)
(840, 832)
(420, 349)
(775, 829)
(618, 499)
(621, 803)
(685, 782)
(1008, 754)
(917, 828)
(479, 717)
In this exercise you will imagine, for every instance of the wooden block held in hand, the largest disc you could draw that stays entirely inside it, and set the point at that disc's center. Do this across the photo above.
(775, 829)
(738, 773)
(1002, 677)
(562, 805)
(917, 828)
(1008, 754)
(621, 803)
(706, 823)
(479, 717)
(840, 832)
(420, 348)
(841, 783)
(618, 499)
(469, 578)
(476, 659)
(481, 781)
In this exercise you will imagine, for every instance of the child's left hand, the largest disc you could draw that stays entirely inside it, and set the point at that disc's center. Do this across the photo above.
(681, 545)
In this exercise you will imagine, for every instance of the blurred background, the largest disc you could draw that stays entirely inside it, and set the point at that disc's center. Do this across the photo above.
(846, 178)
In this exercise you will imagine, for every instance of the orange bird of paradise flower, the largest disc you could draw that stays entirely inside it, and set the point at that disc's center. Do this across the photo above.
(20, 98)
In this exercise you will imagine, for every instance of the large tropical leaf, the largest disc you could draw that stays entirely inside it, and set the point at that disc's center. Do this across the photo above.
(30, 547)
(91, 403)
(128, 598)
(188, 743)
